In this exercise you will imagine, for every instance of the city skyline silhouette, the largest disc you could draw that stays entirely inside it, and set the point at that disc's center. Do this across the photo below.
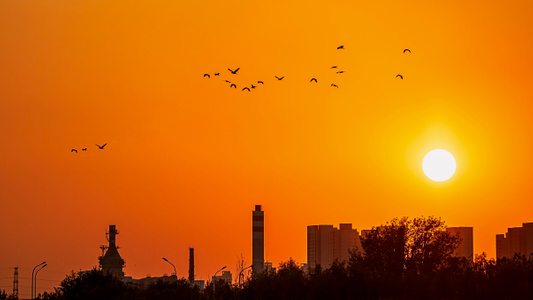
(187, 156)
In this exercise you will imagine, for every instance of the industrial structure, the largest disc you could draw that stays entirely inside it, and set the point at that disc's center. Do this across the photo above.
(226, 276)
(517, 240)
(191, 264)
(258, 240)
(16, 284)
(466, 243)
(326, 244)
(111, 262)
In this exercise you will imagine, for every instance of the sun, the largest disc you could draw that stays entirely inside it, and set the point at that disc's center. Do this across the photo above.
(439, 165)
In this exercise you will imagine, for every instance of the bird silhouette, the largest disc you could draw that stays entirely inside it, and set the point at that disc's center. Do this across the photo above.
(234, 72)
(313, 79)
(217, 74)
(253, 86)
(245, 88)
(233, 85)
(207, 75)
(83, 149)
(340, 47)
(260, 82)
(334, 85)
(334, 67)
(406, 50)
(228, 81)
(399, 75)
(340, 72)
(101, 147)
(279, 78)
(74, 150)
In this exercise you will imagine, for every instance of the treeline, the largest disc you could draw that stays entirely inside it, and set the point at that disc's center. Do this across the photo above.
(404, 259)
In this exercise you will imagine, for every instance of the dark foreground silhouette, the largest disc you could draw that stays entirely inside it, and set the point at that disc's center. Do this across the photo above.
(404, 259)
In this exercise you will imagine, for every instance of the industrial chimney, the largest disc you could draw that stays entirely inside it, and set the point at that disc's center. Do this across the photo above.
(191, 264)
(111, 262)
(258, 240)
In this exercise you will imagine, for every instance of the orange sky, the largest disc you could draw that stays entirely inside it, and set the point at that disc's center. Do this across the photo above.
(188, 158)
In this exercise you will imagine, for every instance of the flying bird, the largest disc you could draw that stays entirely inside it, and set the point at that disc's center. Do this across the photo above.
(399, 75)
(217, 74)
(234, 72)
(313, 79)
(340, 47)
(340, 72)
(279, 78)
(233, 85)
(406, 50)
(74, 150)
(253, 86)
(101, 147)
(245, 88)
(207, 75)
(228, 81)
(83, 149)
(334, 85)
(334, 67)
(260, 82)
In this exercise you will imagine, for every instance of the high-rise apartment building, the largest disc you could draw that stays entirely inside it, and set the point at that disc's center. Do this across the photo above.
(326, 243)
(517, 240)
(466, 244)
(258, 240)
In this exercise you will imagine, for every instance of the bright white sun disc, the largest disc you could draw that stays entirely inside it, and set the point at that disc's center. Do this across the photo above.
(439, 165)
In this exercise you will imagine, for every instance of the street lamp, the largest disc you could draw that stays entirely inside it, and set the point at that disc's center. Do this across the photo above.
(241, 275)
(32, 272)
(215, 280)
(35, 286)
(175, 274)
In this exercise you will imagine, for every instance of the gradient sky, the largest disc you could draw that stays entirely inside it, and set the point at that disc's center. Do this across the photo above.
(188, 158)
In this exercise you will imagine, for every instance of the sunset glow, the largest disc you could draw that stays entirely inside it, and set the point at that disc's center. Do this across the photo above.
(188, 156)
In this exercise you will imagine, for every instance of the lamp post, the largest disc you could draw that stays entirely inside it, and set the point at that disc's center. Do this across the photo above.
(215, 280)
(35, 286)
(241, 275)
(32, 272)
(175, 273)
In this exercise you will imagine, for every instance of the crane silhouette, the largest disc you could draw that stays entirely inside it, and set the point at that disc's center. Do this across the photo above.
(399, 75)
(74, 150)
(207, 75)
(279, 78)
(245, 88)
(101, 147)
(334, 85)
(313, 79)
(340, 47)
(234, 72)
(233, 85)
(406, 50)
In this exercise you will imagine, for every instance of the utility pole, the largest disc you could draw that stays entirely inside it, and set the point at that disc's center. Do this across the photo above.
(16, 284)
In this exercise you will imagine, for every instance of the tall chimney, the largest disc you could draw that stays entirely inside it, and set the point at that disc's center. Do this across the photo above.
(258, 240)
(112, 236)
(191, 264)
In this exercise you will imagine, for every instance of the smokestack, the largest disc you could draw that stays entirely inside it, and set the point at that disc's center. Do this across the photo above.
(258, 240)
(191, 264)
(112, 236)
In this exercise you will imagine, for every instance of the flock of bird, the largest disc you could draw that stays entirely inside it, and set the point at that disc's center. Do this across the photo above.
(255, 85)
(85, 149)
